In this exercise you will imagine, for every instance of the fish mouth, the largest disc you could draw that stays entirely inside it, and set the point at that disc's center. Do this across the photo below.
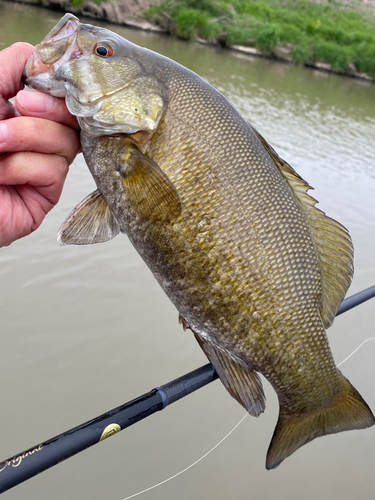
(56, 49)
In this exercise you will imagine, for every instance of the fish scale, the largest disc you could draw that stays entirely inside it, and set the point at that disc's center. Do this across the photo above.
(225, 225)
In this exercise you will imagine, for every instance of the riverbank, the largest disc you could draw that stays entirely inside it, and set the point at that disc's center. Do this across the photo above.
(337, 38)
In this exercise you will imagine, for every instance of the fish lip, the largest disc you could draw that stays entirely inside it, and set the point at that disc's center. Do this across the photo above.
(58, 32)
(46, 85)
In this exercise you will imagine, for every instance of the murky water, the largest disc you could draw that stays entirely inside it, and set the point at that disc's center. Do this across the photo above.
(85, 329)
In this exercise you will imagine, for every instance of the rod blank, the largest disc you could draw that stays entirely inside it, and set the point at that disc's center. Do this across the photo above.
(41, 457)
(356, 299)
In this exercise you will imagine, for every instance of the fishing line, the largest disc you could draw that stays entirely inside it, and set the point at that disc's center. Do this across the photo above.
(355, 350)
(191, 465)
(229, 433)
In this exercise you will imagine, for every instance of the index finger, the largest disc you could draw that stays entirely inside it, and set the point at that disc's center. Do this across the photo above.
(12, 62)
(38, 135)
(40, 105)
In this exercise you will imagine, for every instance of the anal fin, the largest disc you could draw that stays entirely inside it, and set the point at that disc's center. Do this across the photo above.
(242, 383)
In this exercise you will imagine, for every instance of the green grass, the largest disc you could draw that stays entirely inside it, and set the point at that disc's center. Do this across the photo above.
(327, 31)
(78, 3)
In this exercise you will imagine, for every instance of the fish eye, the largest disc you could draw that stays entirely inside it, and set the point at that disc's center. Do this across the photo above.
(103, 50)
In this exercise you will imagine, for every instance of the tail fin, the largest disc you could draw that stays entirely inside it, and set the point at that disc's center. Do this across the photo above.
(293, 431)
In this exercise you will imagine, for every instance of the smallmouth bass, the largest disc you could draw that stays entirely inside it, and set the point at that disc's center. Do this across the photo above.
(226, 226)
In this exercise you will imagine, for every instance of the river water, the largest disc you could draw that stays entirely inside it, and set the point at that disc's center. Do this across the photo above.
(85, 329)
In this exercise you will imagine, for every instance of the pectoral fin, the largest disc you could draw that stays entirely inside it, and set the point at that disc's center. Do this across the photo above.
(148, 189)
(92, 221)
(242, 383)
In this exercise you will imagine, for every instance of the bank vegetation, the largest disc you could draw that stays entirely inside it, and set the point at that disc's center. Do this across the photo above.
(339, 35)
(330, 35)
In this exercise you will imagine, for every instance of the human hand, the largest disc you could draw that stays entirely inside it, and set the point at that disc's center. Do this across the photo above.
(38, 142)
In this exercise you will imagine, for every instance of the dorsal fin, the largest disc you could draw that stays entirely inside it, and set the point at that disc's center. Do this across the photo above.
(332, 241)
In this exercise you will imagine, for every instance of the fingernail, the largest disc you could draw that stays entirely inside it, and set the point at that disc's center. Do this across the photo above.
(35, 102)
(4, 132)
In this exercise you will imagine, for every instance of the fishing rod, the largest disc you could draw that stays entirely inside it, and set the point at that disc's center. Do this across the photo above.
(41, 457)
